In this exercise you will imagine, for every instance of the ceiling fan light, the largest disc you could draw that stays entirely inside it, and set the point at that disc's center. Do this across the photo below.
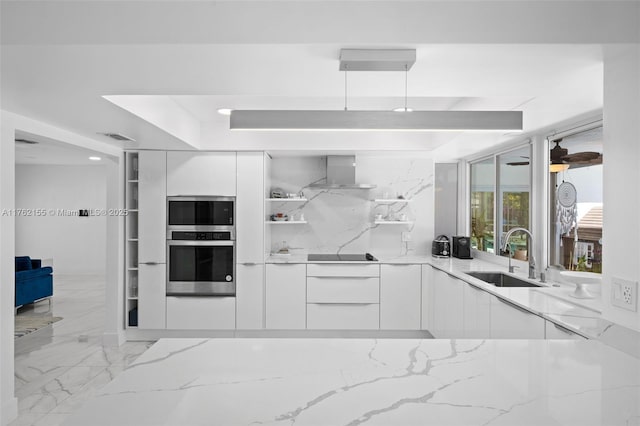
(558, 167)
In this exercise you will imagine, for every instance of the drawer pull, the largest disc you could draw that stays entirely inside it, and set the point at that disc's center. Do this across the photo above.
(523, 310)
(340, 276)
(563, 329)
(249, 264)
(344, 303)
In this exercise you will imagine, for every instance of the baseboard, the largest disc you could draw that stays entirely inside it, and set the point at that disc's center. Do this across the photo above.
(114, 339)
(9, 410)
(135, 334)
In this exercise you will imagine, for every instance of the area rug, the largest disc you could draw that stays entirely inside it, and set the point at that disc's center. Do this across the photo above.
(28, 324)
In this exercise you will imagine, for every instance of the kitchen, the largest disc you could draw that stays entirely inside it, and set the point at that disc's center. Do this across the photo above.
(348, 218)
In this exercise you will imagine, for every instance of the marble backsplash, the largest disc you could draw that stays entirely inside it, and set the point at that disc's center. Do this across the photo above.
(343, 220)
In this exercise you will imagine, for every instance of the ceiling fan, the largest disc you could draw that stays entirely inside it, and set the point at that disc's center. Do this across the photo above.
(561, 159)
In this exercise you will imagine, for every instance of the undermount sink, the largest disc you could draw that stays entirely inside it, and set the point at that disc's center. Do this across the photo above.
(500, 279)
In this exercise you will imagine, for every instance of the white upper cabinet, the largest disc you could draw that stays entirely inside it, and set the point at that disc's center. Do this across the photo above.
(250, 208)
(152, 206)
(400, 297)
(201, 173)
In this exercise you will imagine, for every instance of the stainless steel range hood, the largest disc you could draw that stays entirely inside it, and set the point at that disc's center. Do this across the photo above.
(341, 174)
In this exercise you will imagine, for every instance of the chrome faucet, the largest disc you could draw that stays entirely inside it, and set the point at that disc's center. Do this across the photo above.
(532, 260)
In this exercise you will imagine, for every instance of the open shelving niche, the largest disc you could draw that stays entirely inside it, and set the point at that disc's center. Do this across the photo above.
(131, 232)
(285, 200)
(388, 202)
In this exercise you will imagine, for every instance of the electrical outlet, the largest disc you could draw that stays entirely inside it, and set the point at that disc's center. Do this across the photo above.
(624, 294)
(406, 237)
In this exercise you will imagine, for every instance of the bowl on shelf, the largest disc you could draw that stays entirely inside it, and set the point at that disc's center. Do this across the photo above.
(279, 218)
(581, 279)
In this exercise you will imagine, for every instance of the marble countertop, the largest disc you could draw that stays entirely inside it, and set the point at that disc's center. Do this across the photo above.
(374, 382)
(548, 301)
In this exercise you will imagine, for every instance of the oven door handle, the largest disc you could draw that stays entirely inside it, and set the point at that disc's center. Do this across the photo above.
(223, 243)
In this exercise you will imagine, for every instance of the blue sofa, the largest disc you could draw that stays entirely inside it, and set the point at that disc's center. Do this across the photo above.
(33, 282)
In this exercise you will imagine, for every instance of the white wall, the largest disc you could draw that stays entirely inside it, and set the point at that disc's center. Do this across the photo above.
(76, 244)
(621, 152)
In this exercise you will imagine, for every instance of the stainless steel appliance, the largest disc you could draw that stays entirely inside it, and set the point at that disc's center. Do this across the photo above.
(367, 257)
(201, 246)
(440, 246)
(201, 263)
(461, 247)
(200, 213)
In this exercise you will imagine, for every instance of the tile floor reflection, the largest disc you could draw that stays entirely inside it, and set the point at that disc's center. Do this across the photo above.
(59, 366)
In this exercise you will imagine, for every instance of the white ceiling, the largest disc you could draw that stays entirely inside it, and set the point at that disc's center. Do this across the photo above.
(52, 152)
(69, 71)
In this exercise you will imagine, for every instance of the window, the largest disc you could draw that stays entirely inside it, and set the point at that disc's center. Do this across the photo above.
(500, 198)
(483, 179)
(575, 201)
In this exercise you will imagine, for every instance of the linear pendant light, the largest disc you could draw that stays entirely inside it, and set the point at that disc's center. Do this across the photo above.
(375, 120)
(347, 120)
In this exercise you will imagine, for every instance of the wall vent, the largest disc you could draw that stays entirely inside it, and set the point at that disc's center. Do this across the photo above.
(118, 136)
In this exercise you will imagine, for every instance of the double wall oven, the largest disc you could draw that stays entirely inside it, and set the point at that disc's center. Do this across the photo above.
(201, 246)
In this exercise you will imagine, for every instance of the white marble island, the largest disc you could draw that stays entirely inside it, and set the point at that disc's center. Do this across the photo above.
(373, 382)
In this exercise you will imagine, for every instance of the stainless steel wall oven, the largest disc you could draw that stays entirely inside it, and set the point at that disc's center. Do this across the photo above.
(200, 246)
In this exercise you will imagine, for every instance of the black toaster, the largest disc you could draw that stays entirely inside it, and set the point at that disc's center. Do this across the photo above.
(440, 247)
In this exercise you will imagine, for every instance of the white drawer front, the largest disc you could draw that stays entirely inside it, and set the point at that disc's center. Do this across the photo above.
(342, 270)
(201, 313)
(343, 290)
(343, 316)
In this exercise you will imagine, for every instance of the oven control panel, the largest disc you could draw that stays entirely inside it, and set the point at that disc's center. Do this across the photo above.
(200, 235)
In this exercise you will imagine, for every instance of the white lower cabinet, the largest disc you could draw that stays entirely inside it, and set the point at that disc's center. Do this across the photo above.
(477, 313)
(347, 316)
(428, 300)
(285, 296)
(448, 317)
(249, 296)
(509, 321)
(201, 313)
(152, 294)
(555, 331)
(400, 293)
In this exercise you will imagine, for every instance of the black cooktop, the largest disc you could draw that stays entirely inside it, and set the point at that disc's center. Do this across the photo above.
(341, 258)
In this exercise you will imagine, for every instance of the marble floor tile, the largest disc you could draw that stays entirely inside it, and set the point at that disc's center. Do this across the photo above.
(60, 366)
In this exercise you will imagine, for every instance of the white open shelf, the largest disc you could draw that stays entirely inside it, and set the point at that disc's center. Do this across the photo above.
(391, 200)
(287, 199)
(285, 222)
(393, 222)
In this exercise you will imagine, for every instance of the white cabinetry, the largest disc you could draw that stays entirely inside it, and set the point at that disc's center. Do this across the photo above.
(285, 296)
(509, 321)
(250, 296)
(400, 294)
(250, 208)
(448, 322)
(555, 331)
(477, 313)
(201, 313)
(343, 297)
(428, 301)
(152, 296)
(152, 225)
(250, 241)
(201, 173)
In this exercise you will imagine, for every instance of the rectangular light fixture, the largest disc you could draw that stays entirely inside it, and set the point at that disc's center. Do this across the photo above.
(318, 120)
